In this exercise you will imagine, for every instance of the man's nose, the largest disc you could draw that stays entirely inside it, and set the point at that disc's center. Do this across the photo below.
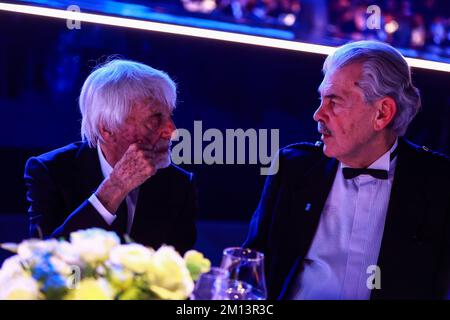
(318, 114)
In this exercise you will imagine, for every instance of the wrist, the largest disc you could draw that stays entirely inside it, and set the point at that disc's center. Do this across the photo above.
(110, 194)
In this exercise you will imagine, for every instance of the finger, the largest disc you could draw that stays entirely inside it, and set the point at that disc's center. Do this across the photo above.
(134, 147)
(145, 145)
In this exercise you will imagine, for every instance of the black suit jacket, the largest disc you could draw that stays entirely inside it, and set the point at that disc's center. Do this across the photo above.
(60, 182)
(414, 256)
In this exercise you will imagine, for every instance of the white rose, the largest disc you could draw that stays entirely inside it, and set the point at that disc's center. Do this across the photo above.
(19, 288)
(94, 245)
(61, 266)
(120, 278)
(66, 252)
(11, 268)
(134, 257)
(30, 250)
(168, 275)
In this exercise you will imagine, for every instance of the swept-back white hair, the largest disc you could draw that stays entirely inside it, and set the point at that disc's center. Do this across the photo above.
(108, 95)
(385, 74)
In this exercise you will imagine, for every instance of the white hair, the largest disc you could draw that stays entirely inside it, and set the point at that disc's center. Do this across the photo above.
(108, 95)
(385, 73)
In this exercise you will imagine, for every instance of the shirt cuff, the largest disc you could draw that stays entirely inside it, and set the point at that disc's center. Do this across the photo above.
(109, 218)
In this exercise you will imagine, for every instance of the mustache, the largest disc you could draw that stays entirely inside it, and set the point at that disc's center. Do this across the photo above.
(322, 128)
(162, 146)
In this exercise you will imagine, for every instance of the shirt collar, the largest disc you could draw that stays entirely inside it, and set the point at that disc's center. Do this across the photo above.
(384, 162)
(104, 165)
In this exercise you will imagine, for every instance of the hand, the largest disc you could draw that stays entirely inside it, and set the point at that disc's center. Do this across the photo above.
(133, 169)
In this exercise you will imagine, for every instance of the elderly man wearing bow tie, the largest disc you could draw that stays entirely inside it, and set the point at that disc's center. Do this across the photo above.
(363, 214)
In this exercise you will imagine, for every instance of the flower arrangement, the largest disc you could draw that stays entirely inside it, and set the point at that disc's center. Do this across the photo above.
(94, 265)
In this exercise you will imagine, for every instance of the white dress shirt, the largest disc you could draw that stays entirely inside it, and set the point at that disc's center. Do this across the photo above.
(348, 237)
(131, 198)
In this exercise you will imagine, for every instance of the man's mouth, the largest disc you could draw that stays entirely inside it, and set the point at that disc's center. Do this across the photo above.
(162, 150)
(326, 133)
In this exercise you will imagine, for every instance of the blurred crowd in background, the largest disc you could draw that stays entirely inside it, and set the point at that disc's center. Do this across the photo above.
(418, 25)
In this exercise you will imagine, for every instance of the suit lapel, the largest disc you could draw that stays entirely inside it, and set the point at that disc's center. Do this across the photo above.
(151, 206)
(319, 181)
(403, 220)
(308, 200)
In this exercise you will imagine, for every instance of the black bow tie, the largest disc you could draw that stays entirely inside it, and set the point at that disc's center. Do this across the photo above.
(350, 173)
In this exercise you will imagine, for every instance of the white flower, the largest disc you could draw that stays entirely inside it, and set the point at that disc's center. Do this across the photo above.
(12, 267)
(93, 245)
(95, 266)
(121, 278)
(133, 256)
(168, 275)
(91, 289)
(68, 253)
(17, 282)
(32, 248)
(19, 288)
(60, 266)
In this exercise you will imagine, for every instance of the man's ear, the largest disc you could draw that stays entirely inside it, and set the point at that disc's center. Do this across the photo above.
(107, 135)
(386, 111)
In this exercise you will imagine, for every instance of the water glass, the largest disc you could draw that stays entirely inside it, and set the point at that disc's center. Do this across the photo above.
(246, 265)
(209, 284)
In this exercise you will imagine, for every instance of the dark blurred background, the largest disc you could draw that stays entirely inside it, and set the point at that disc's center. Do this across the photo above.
(225, 85)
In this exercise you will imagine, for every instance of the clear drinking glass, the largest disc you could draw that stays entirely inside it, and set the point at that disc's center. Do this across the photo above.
(234, 290)
(210, 284)
(246, 265)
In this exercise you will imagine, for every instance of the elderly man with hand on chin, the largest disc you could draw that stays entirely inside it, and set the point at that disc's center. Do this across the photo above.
(120, 177)
(364, 214)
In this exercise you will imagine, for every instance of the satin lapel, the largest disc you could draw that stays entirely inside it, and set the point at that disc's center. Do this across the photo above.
(88, 174)
(308, 200)
(405, 214)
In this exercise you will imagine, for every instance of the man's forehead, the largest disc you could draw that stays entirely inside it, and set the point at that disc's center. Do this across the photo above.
(331, 87)
(325, 86)
(154, 106)
(339, 81)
